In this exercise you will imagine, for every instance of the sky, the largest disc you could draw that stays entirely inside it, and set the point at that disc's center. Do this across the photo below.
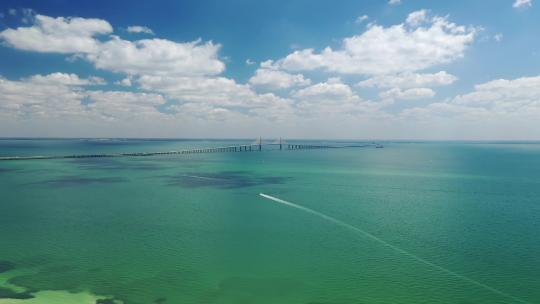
(372, 69)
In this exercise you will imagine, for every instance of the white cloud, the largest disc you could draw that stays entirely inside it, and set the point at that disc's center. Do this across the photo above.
(66, 79)
(332, 90)
(28, 98)
(361, 19)
(56, 106)
(215, 90)
(384, 50)
(522, 3)
(498, 37)
(218, 91)
(331, 97)
(184, 72)
(269, 108)
(303, 60)
(158, 57)
(139, 29)
(186, 75)
(332, 102)
(12, 12)
(502, 94)
(409, 80)
(205, 112)
(217, 98)
(274, 108)
(275, 79)
(124, 106)
(394, 2)
(58, 35)
(60, 96)
(250, 62)
(126, 82)
(409, 94)
(147, 56)
(495, 109)
(416, 18)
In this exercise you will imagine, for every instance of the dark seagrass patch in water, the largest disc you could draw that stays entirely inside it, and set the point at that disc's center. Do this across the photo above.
(79, 180)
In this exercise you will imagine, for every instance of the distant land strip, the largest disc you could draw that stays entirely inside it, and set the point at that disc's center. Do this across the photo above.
(238, 148)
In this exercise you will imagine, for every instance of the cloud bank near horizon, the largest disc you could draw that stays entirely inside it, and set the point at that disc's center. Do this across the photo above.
(179, 88)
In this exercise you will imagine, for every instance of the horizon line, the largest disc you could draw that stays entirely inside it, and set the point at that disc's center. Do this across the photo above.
(268, 138)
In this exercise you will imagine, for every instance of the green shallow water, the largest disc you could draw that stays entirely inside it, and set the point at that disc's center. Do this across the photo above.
(193, 228)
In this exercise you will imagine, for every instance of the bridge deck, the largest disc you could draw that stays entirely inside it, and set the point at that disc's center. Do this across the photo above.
(237, 148)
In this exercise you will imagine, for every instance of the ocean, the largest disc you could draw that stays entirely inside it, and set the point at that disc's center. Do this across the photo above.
(413, 222)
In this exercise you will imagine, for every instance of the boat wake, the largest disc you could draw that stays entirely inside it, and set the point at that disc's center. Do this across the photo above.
(393, 247)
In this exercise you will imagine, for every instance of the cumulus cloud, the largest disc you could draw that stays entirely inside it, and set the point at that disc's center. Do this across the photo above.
(416, 18)
(184, 79)
(269, 107)
(184, 72)
(124, 106)
(515, 101)
(61, 96)
(275, 79)
(66, 79)
(498, 109)
(213, 90)
(333, 101)
(394, 2)
(503, 94)
(409, 94)
(42, 103)
(205, 112)
(126, 82)
(148, 56)
(58, 35)
(522, 3)
(28, 98)
(139, 29)
(333, 90)
(409, 80)
(361, 19)
(218, 91)
(419, 43)
(158, 57)
(216, 98)
(64, 100)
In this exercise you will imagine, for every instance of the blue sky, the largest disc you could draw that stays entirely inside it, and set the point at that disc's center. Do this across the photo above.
(349, 69)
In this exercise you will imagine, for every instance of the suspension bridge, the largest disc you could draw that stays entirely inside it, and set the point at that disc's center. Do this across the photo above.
(257, 145)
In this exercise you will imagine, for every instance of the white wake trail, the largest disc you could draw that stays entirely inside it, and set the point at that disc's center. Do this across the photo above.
(395, 248)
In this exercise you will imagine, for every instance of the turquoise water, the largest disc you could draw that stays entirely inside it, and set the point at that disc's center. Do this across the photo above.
(193, 228)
